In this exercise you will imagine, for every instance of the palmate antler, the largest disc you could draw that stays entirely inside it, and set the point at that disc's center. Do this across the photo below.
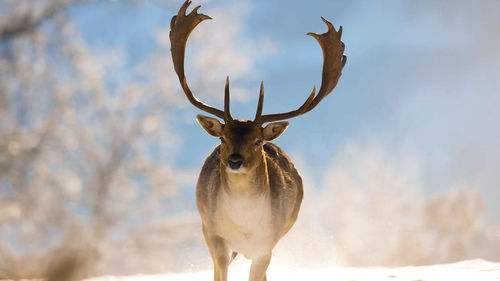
(333, 62)
(180, 28)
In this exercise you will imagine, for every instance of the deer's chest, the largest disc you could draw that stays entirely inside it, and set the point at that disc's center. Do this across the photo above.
(245, 222)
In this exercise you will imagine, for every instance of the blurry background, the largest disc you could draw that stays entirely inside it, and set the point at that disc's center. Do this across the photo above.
(100, 151)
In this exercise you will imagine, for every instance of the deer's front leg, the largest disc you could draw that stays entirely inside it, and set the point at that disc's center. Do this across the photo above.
(259, 267)
(220, 255)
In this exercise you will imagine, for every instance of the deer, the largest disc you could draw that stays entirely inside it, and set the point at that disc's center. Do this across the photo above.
(249, 192)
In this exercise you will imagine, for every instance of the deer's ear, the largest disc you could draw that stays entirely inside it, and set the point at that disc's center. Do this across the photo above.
(211, 125)
(274, 130)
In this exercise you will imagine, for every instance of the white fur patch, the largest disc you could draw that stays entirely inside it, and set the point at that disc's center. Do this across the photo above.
(240, 170)
(245, 220)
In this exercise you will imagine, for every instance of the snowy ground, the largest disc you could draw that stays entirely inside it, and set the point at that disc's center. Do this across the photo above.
(474, 270)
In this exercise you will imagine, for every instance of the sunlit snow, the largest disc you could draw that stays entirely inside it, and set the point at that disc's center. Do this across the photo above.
(474, 270)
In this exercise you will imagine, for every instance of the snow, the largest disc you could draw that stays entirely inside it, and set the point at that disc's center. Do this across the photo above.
(473, 270)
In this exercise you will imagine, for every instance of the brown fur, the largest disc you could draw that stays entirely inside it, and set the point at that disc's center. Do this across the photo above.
(283, 185)
(281, 171)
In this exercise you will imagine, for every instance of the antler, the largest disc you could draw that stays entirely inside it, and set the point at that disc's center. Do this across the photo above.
(333, 62)
(180, 28)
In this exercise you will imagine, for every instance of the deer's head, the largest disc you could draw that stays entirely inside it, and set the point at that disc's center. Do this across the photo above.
(242, 140)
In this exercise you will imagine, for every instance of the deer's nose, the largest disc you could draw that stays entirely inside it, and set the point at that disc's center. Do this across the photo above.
(235, 160)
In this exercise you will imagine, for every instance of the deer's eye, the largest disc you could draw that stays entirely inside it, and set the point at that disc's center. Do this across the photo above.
(222, 140)
(258, 142)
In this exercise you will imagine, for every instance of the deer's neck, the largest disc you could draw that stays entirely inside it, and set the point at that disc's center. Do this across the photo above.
(254, 181)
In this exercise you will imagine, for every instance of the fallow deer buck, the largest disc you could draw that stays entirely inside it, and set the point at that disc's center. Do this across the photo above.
(249, 192)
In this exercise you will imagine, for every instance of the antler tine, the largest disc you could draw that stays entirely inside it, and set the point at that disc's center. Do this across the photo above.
(260, 104)
(227, 112)
(282, 116)
(181, 26)
(333, 62)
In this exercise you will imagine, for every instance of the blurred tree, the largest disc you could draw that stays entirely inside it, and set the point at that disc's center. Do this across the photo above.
(455, 218)
(378, 216)
(83, 153)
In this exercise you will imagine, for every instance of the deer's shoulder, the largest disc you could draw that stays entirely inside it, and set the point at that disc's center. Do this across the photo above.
(211, 165)
(208, 181)
(279, 165)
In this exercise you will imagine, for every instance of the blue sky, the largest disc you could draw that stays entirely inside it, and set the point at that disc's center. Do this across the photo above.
(420, 84)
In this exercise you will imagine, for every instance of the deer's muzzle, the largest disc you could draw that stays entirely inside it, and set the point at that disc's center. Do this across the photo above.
(235, 160)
